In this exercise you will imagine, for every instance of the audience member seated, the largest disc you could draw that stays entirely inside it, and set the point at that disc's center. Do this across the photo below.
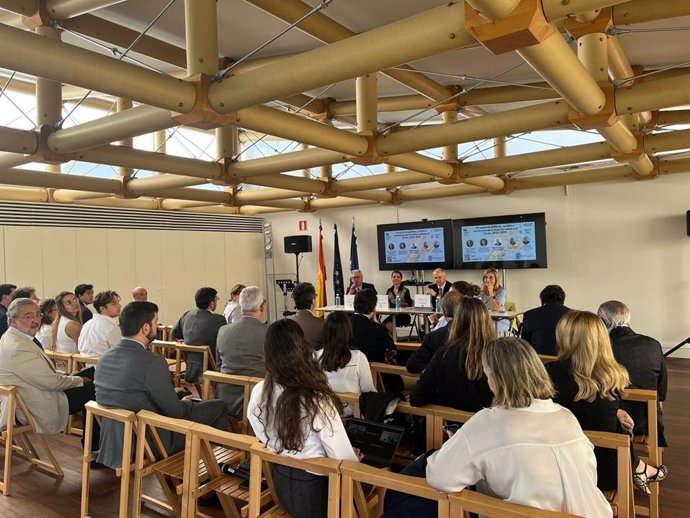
(525, 449)
(454, 376)
(357, 284)
(140, 293)
(347, 369)
(241, 347)
(465, 289)
(5, 299)
(296, 413)
(101, 332)
(439, 287)
(494, 297)
(539, 324)
(304, 295)
(372, 338)
(49, 313)
(395, 291)
(232, 311)
(642, 357)
(26, 292)
(50, 396)
(432, 342)
(199, 326)
(66, 328)
(85, 294)
(131, 377)
(589, 381)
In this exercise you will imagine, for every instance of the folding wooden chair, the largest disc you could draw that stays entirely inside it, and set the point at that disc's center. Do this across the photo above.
(377, 369)
(207, 362)
(545, 358)
(622, 499)
(233, 497)
(16, 438)
(353, 502)
(78, 362)
(444, 415)
(466, 502)
(128, 420)
(648, 444)
(61, 361)
(261, 461)
(212, 378)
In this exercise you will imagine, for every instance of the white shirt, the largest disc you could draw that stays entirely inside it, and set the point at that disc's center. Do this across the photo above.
(64, 343)
(536, 456)
(98, 335)
(330, 440)
(45, 336)
(354, 377)
(232, 312)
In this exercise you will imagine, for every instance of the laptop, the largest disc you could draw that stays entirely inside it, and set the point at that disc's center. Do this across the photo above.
(376, 441)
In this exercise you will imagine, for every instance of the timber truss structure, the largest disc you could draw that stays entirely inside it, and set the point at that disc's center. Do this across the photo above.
(397, 89)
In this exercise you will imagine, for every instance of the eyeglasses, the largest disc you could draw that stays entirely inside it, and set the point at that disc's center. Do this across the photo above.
(32, 316)
(70, 302)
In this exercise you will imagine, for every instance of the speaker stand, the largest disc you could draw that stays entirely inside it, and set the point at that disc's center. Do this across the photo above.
(297, 266)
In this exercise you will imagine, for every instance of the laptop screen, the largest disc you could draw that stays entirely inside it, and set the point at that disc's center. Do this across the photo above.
(376, 441)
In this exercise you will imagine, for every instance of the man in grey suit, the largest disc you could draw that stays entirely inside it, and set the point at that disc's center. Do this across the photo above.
(241, 347)
(131, 377)
(199, 327)
(305, 300)
(50, 396)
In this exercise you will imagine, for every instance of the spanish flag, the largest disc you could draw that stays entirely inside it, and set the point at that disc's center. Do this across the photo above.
(321, 280)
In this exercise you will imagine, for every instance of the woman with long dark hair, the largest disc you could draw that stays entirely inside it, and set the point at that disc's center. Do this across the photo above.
(347, 369)
(49, 313)
(454, 375)
(295, 413)
(66, 328)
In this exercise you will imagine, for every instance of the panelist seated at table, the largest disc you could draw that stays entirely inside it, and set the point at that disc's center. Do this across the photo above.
(494, 297)
(357, 283)
(439, 287)
(395, 292)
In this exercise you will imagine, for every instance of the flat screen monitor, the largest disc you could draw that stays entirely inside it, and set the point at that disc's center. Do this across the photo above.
(512, 242)
(419, 245)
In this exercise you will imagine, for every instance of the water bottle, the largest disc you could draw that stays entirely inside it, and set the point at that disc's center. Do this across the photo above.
(398, 302)
(337, 299)
(438, 304)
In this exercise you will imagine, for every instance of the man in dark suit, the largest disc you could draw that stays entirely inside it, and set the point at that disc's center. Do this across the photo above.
(642, 357)
(199, 327)
(539, 324)
(241, 347)
(439, 287)
(304, 295)
(131, 377)
(84, 293)
(435, 340)
(357, 283)
(5, 299)
(372, 338)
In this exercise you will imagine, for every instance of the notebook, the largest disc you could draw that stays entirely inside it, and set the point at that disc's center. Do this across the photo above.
(376, 441)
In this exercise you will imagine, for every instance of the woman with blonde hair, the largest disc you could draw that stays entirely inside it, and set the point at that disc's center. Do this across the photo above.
(454, 375)
(525, 449)
(589, 382)
(66, 328)
(493, 296)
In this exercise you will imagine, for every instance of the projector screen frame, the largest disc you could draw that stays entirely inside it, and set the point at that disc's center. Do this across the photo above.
(445, 224)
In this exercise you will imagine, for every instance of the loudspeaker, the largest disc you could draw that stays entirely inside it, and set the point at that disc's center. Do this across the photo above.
(297, 244)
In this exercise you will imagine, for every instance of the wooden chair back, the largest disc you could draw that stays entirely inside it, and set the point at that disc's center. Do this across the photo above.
(206, 444)
(545, 358)
(80, 361)
(261, 461)
(16, 438)
(208, 362)
(61, 361)
(622, 500)
(377, 369)
(212, 379)
(128, 420)
(353, 503)
(444, 415)
(651, 453)
(171, 470)
(467, 501)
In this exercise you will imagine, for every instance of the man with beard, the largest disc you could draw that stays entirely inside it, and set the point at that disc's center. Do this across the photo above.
(131, 377)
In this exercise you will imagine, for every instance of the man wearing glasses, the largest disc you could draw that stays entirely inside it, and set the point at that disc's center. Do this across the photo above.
(50, 396)
(199, 327)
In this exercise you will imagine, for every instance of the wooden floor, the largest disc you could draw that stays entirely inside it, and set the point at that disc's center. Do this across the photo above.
(38, 495)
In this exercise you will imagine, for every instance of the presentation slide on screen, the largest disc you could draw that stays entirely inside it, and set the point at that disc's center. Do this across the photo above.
(423, 245)
(499, 242)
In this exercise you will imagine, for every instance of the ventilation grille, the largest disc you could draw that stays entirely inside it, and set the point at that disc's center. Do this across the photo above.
(50, 215)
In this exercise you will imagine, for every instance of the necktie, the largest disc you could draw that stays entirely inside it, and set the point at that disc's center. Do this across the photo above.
(440, 291)
(35, 340)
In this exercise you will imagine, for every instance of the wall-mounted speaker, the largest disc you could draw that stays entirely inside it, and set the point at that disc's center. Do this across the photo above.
(297, 244)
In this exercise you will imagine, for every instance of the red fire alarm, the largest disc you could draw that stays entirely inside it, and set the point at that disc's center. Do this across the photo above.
(303, 224)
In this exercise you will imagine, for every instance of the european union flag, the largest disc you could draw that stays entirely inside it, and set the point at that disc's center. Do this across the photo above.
(354, 260)
(338, 286)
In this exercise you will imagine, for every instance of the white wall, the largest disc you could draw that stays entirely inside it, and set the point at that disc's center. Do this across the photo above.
(622, 240)
(171, 265)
